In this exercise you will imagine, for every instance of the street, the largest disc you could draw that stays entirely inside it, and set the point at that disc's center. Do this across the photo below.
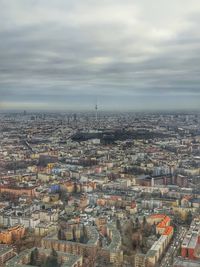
(172, 251)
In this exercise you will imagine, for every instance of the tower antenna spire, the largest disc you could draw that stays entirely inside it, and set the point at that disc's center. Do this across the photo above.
(96, 111)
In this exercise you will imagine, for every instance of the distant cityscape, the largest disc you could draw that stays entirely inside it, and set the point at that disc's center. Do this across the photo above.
(95, 189)
(99, 133)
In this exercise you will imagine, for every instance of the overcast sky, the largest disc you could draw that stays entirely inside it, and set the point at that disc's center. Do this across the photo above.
(124, 54)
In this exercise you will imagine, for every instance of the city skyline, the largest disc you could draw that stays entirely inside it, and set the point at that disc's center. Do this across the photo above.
(130, 55)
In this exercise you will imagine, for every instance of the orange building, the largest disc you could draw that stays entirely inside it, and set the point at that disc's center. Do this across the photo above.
(162, 224)
(101, 223)
(161, 227)
(18, 191)
(12, 234)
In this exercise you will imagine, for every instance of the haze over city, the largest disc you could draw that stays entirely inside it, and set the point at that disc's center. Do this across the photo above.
(125, 55)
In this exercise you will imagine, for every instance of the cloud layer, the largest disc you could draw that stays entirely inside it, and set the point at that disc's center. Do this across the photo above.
(127, 54)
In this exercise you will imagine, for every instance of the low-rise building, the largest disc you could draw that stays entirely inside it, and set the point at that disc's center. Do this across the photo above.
(7, 236)
(6, 253)
(190, 247)
(65, 259)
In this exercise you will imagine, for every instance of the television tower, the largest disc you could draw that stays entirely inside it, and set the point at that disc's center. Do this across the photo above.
(96, 112)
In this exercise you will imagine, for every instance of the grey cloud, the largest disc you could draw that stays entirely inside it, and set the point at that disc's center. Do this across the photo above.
(54, 50)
